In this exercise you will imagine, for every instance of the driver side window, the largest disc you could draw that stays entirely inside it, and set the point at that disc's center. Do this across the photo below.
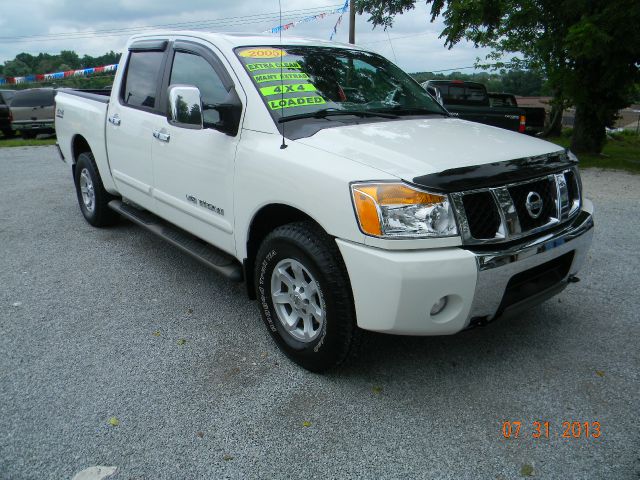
(192, 69)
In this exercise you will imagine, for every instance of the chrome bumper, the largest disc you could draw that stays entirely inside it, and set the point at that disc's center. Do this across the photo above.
(495, 269)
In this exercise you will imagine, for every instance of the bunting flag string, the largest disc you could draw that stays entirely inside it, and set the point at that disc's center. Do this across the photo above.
(82, 72)
(112, 68)
(335, 27)
(311, 18)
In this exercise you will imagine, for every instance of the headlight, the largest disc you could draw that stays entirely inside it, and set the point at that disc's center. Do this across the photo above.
(396, 210)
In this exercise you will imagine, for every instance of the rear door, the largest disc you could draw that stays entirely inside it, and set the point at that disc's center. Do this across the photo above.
(131, 120)
(194, 167)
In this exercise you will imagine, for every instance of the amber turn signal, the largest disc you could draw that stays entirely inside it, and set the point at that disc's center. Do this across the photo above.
(373, 202)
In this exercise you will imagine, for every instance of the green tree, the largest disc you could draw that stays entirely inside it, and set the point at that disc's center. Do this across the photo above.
(522, 82)
(589, 50)
(70, 58)
(16, 68)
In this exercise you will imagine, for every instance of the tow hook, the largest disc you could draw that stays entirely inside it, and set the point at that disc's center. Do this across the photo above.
(573, 279)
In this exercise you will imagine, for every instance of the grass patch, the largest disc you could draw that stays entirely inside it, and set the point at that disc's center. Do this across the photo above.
(621, 152)
(30, 142)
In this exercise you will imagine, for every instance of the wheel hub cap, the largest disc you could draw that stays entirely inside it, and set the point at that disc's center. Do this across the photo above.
(297, 300)
(87, 190)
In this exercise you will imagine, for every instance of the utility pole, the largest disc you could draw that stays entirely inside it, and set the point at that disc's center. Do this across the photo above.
(352, 22)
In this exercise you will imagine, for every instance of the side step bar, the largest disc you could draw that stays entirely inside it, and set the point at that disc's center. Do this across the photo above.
(212, 257)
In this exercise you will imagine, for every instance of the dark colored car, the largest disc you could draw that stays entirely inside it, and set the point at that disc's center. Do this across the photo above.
(5, 113)
(536, 116)
(33, 111)
(470, 101)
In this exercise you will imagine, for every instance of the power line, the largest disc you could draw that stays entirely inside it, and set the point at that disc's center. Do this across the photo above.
(452, 69)
(397, 38)
(194, 25)
(235, 19)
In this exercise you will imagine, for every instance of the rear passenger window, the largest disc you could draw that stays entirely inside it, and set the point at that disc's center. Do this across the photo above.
(143, 75)
(34, 98)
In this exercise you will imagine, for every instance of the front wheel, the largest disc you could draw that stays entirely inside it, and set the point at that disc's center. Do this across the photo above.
(305, 296)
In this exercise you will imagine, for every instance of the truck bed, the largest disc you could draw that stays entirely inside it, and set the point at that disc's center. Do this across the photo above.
(81, 115)
(98, 95)
(503, 117)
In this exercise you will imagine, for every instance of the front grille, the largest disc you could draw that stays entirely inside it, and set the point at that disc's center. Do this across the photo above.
(482, 214)
(502, 214)
(546, 189)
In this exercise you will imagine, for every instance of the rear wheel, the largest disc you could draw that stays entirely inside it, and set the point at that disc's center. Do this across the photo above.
(8, 133)
(28, 135)
(305, 296)
(92, 197)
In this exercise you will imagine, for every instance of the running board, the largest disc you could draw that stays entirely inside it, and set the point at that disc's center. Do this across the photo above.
(209, 255)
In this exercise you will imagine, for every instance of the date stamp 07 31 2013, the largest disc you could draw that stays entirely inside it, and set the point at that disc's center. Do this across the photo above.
(542, 429)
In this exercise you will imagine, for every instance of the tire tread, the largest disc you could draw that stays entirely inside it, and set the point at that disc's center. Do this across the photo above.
(324, 250)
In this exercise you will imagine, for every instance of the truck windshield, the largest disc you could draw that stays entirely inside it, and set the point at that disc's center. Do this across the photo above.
(298, 82)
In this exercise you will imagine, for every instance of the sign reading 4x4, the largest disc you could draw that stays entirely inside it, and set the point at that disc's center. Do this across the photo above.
(293, 88)
(295, 102)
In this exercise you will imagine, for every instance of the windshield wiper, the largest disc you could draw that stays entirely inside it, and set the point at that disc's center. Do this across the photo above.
(401, 110)
(325, 112)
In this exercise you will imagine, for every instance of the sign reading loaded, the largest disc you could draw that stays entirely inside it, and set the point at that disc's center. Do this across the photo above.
(282, 84)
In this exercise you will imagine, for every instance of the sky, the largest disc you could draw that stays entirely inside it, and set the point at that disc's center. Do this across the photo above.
(412, 43)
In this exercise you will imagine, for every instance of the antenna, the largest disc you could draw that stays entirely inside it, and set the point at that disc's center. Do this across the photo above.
(283, 145)
(395, 59)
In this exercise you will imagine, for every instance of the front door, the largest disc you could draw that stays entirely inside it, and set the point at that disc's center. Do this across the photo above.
(194, 167)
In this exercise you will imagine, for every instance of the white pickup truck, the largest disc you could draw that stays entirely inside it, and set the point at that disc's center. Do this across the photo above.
(332, 184)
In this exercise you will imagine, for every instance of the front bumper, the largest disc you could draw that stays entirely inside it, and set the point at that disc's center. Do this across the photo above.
(394, 290)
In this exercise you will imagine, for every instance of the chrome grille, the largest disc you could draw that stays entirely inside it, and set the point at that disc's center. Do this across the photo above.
(510, 212)
(547, 190)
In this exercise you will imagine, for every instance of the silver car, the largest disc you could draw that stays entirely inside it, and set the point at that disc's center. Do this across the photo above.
(33, 111)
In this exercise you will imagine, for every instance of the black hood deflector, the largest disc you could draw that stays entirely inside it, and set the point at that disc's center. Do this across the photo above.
(494, 174)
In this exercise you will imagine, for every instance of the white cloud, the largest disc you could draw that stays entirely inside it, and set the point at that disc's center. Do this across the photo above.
(414, 46)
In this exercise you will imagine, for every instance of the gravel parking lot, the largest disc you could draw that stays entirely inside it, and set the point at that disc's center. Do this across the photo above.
(99, 325)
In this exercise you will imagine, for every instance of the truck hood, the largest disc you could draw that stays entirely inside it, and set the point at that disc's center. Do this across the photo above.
(416, 147)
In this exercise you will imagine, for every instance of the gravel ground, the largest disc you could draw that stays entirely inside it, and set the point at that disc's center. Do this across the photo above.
(96, 324)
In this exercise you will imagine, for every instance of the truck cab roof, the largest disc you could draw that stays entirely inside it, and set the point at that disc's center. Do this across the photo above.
(232, 40)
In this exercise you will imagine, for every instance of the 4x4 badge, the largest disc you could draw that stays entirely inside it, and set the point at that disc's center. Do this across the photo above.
(534, 204)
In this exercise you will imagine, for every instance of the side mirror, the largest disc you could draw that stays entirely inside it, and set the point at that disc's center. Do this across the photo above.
(185, 107)
(229, 112)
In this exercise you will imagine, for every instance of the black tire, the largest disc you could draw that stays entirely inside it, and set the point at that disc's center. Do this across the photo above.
(100, 215)
(8, 133)
(338, 339)
(29, 135)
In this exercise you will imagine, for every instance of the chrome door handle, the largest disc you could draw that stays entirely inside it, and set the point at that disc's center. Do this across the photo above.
(163, 137)
(115, 120)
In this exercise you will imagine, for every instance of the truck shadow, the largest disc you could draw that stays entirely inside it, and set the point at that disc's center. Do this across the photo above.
(520, 339)
(528, 339)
